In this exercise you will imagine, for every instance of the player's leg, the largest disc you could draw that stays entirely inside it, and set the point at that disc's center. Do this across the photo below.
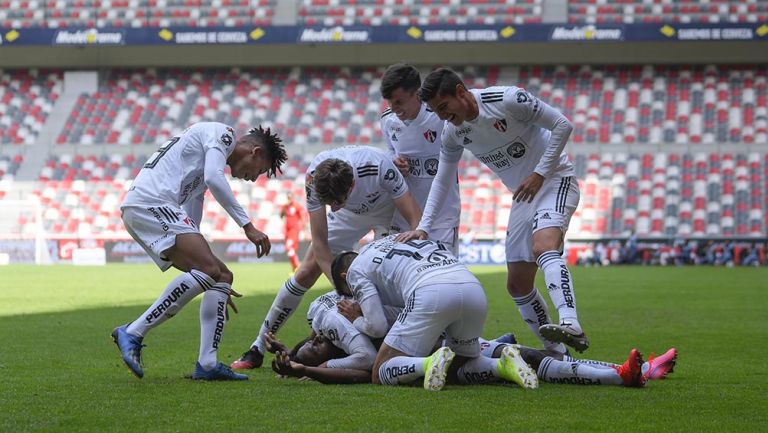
(555, 203)
(531, 304)
(158, 232)
(562, 369)
(404, 356)
(286, 302)
(193, 252)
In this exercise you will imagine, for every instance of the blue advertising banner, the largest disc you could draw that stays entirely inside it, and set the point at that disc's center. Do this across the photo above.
(384, 34)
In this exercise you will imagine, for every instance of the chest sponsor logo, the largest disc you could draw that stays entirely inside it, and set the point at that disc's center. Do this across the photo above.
(500, 125)
(430, 166)
(504, 157)
(430, 135)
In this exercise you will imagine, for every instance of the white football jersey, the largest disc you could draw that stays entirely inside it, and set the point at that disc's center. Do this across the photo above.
(419, 141)
(377, 180)
(393, 270)
(174, 173)
(503, 135)
(325, 319)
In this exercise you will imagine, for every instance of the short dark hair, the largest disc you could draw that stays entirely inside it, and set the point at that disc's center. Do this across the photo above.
(274, 147)
(340, 264)
(399, 75)
(441, 81)
(332, 179)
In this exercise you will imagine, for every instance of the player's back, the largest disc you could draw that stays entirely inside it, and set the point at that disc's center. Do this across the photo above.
(175, 172)
(397, 269)
(373, 173)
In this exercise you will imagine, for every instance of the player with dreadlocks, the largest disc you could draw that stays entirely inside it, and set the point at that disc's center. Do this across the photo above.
(162, 212)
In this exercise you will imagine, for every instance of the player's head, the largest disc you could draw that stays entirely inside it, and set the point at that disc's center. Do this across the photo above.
(339, 268)
(314, 351)
(399, 87)
(446, 95)
(257, 152)
(333, 180)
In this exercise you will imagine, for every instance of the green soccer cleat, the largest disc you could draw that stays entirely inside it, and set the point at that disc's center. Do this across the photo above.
(513, 368)
(436, 368)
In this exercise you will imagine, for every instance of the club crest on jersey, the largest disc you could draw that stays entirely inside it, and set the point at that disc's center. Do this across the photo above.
(500, 125)
(516, 150)
(430, 166)
(430, 135)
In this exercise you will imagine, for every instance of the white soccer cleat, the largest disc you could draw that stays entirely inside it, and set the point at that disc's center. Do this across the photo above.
(436, 368)
(512, 367)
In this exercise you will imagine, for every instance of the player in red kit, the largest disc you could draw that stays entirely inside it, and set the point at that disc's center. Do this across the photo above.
(294, 222)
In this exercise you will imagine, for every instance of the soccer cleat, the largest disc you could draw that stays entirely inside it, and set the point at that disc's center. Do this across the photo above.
(658, 367)
(436, 368)
(513, 368)
(630, 370)
(130, 349)
(251, 359)
(508, 338)
(220, 372)
(565, 333)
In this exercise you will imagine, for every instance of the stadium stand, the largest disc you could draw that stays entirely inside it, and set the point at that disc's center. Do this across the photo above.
(627, 104)
(135, 13)
(672, 11)
(411, 12)
(26, 99)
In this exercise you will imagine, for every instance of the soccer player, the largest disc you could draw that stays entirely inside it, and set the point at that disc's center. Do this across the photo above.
(293, 225)
(521, 139)
(162, 212)
(363, 188)
(413, 134)
(438, 294)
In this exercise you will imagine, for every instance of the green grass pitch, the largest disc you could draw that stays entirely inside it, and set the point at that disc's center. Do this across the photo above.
(61, 371)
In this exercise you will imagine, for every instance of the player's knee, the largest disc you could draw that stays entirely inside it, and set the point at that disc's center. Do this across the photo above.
(540, 248)
(225, 275)
(517, 289)
(211, 269)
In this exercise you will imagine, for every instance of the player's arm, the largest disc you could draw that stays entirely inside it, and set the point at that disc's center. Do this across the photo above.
(400, 161)
(529, 109)
(361, 356)
(373, 322)
(215, 161)
(318, 224)
(284, 366)
(194, 208)
(392, 181)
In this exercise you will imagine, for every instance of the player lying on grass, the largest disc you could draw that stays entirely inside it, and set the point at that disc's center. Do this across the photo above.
(162, 212)
(437, 294)
(363, 188)
(314, 358)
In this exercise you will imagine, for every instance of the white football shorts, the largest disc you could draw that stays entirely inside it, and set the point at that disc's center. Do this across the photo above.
(155, 229)
(459, 309)
(552, 206)
(346, 228)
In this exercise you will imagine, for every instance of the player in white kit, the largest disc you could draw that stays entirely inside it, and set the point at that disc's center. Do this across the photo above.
(413, 134)
(438, 294)
(363, 188)
(521, 139)
(162, 212)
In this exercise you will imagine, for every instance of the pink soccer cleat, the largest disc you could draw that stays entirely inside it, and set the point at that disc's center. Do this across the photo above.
(658, 367)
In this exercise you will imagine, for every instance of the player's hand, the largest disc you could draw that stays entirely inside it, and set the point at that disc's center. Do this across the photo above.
(413, 234)
(528, 188)
(231, 303)
(272, 344)
(258, 238)
(283, 365)
(401, 163)
(350, 310)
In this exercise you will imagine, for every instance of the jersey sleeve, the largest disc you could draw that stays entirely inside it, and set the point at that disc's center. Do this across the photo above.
(374, 321)
(384, 125)
(220, 137)
(450, 149)
(529, 109)
(362, 354)
(391, 180)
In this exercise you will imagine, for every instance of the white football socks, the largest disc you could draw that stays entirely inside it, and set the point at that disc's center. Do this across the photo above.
(401, 369)
(487, 347)
(177, 294)
(213, 311)
(560, 286)
(479, 370)
(535, 313)
(577, 373)
(285, 303)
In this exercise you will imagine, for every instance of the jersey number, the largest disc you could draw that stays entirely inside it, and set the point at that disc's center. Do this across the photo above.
(165, 147)
(413, 254)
